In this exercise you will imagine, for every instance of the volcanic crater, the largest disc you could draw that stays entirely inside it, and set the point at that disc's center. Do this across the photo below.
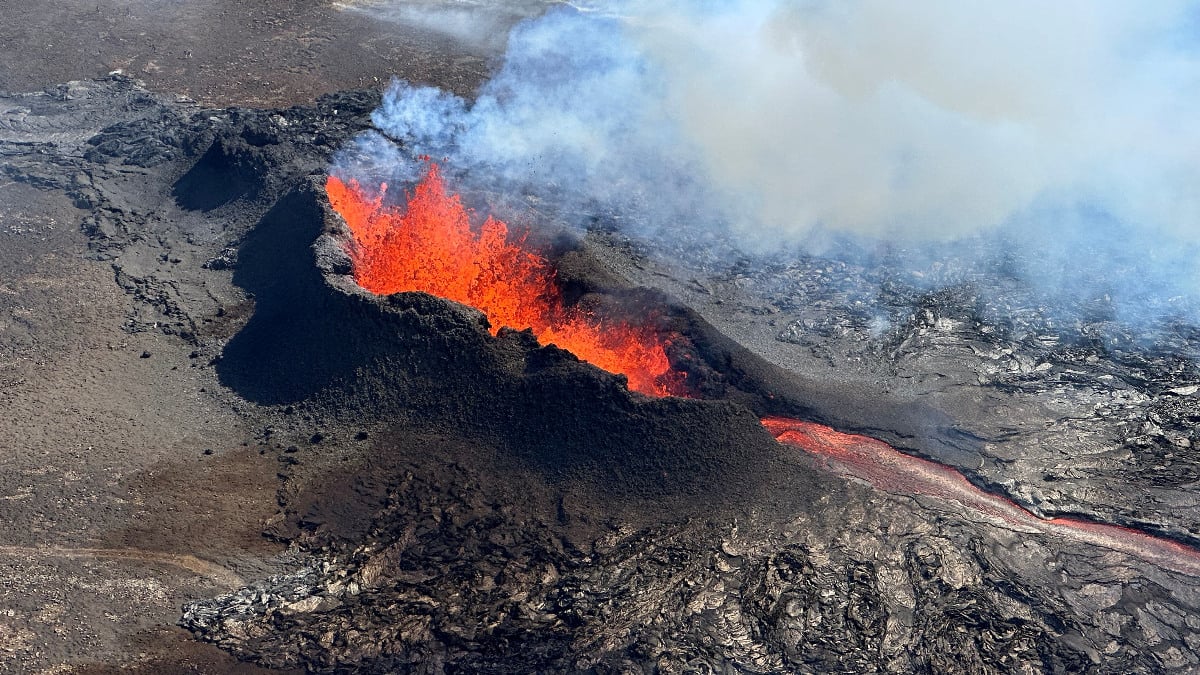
(434, 365)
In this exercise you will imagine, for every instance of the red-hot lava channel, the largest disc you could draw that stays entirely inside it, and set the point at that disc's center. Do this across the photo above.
(890, 470)
(430, 246)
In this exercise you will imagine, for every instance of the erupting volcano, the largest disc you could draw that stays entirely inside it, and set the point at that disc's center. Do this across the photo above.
(678, 339)
(430, 246)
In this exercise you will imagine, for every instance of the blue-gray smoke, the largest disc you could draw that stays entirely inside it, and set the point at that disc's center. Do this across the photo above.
(574, 109)
(1060, 141)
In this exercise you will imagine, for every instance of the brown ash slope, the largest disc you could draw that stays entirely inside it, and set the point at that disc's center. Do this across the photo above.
(443, 525)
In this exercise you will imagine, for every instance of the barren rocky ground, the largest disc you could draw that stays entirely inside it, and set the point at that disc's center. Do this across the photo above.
(218, 459)
(130, 481)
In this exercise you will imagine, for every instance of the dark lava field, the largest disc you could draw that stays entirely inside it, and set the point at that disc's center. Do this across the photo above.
(220, 455)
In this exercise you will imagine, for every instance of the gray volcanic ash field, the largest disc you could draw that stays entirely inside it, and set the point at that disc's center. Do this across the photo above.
(221, 454)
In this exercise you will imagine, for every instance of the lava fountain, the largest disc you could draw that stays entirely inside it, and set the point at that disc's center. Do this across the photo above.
(431, 246)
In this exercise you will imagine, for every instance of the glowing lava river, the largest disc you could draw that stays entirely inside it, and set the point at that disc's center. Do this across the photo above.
(431, 247)
(890, 470)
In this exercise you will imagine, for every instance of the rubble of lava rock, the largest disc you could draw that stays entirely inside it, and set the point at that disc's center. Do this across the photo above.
(1124, 411)
(440, 542)
(457, 578)
(1078, 411)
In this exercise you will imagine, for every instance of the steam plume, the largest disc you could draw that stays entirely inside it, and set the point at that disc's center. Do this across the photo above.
(1065, 136)
(478, 24)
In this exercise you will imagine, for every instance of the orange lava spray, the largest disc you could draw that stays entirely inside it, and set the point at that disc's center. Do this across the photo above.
(430, 246)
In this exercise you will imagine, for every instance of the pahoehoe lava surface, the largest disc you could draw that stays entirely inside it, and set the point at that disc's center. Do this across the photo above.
(461, 502)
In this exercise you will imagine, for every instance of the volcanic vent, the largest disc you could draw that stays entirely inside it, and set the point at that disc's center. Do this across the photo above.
(680, 414)
(431, 247)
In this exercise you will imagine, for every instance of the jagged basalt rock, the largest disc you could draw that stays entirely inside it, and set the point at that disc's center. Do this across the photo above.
(429, 565)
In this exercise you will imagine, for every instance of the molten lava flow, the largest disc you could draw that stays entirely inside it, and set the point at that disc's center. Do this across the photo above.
(431, 247)
(890, 470)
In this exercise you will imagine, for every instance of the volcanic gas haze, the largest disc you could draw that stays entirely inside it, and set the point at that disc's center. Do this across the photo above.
(1052, 139)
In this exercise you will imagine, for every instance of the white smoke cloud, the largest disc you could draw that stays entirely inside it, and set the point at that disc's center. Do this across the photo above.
(939, 117)
(1057, 127)
(481, 24)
